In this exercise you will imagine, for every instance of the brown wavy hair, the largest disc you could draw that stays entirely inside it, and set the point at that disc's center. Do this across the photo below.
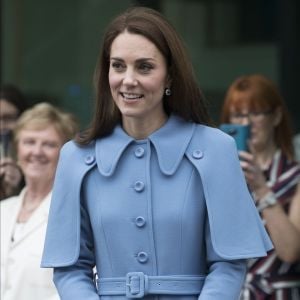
(258, 93)
(186, 100)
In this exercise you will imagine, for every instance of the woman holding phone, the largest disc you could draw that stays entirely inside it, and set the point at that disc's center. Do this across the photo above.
(12, 104)
(273, 177)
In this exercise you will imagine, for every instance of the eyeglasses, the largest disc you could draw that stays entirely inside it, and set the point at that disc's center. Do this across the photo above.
(253, 115)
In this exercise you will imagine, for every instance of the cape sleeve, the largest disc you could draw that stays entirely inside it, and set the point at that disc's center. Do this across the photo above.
(236, 229)
(62, 242)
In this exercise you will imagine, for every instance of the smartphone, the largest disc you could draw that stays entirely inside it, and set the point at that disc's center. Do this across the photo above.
(5, 144)
(240, 133)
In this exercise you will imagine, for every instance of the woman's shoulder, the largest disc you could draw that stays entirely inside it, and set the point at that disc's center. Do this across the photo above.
(210, 133)
(282, 160)
(214, 142)
(72, 148)
(75, 159)
(9, 202)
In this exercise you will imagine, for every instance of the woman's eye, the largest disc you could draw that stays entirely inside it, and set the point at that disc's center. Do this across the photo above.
(51, 145)
(28, 142)
(117, 66)
(145, 67)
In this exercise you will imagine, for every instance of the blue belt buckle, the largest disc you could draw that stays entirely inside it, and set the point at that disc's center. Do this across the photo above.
(135, 285)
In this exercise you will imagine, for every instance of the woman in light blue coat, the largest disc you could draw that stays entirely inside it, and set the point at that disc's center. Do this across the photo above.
(151, 196)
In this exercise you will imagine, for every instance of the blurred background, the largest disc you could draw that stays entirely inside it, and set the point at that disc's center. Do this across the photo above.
(49, 48)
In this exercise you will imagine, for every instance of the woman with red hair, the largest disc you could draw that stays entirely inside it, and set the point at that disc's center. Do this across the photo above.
(273, 177)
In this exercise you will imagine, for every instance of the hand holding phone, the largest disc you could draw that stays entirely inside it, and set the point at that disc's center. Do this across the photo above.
(5, 144)
(240, 133)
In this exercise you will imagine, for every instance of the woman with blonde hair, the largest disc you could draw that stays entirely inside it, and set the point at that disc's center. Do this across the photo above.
(39, 134)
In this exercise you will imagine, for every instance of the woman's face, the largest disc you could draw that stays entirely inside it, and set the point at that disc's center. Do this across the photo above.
(8, 115)
(138, 77)
(262, 124)
(38, 152)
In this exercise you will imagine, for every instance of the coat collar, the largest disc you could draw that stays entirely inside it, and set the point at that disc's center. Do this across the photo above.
(170, 143)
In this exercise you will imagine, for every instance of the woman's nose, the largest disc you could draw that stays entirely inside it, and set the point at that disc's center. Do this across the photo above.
(37, 149)
(245, 121)
(129, 78)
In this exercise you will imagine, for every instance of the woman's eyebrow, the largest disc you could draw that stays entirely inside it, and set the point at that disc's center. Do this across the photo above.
(137, 60)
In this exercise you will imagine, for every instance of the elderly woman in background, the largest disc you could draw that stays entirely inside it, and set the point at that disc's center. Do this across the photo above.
(39, 134)
(273, 177)
(12, 104)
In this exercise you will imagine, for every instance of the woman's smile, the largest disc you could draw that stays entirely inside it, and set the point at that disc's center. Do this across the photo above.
(131, 97)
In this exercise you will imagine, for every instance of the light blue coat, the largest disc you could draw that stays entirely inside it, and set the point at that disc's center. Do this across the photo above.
(170, 214)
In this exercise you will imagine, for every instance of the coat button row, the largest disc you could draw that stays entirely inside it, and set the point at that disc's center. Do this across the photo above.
(139, 152)
(140, 221)
(142, 257)
(139, 186)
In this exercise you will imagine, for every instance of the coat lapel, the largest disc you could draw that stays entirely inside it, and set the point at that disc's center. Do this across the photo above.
(38, 218)
(9, 212)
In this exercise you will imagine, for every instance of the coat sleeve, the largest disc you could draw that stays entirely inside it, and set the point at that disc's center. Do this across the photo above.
(224, 280)
(225, 277)
(76, 282)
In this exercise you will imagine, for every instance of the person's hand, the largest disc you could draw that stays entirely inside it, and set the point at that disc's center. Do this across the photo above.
(253, 174)
(10, 175)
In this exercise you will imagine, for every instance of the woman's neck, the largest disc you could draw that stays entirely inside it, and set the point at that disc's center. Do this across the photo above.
(34, 195)
(265, 155)
(141, 128)
(37, 192)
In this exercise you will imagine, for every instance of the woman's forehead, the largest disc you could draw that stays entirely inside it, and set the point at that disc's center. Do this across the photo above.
(244, 101)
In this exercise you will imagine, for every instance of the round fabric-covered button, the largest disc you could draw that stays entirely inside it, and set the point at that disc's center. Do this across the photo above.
(197, 154)
(139, 186)
(89, 159)
(140, 221)
(142, 257)
(139, 152)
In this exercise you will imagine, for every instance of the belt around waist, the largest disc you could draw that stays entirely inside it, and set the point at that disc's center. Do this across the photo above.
(137, 285)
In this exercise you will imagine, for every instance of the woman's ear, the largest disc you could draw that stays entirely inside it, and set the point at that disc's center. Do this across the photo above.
(169, 81)
(277, 116)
